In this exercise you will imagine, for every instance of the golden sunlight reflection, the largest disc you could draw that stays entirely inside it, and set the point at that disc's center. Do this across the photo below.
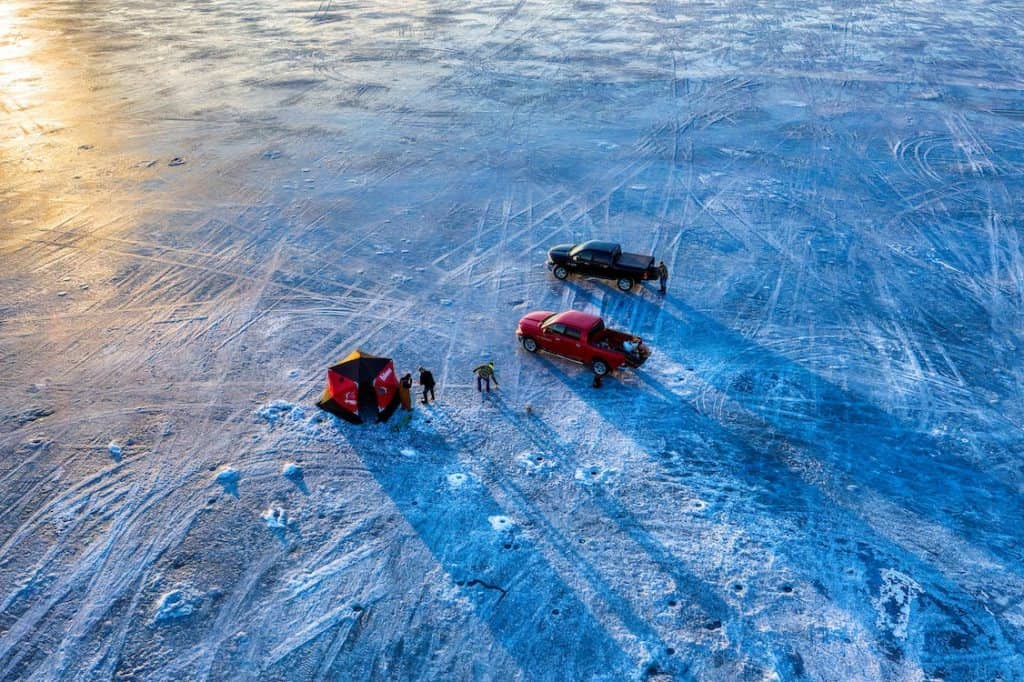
(63, 185)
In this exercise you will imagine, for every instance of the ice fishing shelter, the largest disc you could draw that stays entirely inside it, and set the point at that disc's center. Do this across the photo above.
(361, 386)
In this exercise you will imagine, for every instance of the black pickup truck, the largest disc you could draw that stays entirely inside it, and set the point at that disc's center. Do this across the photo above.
(601, 259)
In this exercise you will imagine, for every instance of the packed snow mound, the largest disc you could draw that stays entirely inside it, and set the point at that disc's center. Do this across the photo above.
(178, 603)
(291, 471)
(501, 523)
(228, 477)
(457, 480)
(276, 518)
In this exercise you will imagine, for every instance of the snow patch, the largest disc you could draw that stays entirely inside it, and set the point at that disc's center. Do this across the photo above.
(501, 523)
(279, 411)
(408, 452)
(893, 602)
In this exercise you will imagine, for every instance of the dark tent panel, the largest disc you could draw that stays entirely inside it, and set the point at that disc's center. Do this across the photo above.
(361, 384)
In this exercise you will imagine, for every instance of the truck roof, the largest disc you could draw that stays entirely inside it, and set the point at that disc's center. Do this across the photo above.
(596, 245)
(577, 319)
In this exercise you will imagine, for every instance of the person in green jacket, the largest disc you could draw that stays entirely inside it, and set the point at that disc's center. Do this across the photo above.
(484, 375)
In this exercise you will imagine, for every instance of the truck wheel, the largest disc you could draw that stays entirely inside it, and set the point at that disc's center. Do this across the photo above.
(560, 272)
(600, 368)
(625, 283)
(529, 344)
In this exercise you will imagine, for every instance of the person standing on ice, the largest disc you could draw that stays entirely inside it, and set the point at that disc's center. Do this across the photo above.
(484, 374)
(427, 382)
(404, 392)
(662, 276)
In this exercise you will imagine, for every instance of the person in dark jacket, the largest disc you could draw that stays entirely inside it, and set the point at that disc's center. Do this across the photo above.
(404, 392)
(597, 380)
(484, 375)
(427, 382)
(662, 275)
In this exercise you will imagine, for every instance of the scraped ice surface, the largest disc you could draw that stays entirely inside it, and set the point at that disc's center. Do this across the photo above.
(817, 475)
(894, 601)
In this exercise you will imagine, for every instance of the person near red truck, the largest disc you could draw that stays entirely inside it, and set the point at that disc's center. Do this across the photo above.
(484, 375)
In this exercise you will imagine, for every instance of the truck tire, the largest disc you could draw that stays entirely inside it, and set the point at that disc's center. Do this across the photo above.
(530, 344)
(560, 272)
(625, 283)
(600, 367)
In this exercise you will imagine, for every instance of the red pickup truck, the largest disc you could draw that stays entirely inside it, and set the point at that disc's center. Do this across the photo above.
(581, 337)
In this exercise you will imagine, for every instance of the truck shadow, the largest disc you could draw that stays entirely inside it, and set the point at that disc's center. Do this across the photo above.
(529, 609)
(701, 608)
(567, 548)
(852, 438)
(749, 478)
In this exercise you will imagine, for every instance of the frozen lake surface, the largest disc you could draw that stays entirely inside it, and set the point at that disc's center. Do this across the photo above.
(817, 475)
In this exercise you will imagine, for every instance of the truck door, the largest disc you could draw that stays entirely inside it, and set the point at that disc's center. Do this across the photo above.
(584, 262)
(553, 338)
(573, 344)
(601, 264)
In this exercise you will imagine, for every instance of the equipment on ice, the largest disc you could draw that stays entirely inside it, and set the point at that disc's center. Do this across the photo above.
(361, 386)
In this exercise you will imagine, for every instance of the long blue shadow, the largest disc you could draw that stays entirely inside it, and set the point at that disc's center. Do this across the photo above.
(536, 617)
(711, 611)
(623, 610)
(869, 446)
(958, 625)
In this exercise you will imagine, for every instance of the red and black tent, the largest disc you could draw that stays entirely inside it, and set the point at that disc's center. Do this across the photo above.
(359, 386)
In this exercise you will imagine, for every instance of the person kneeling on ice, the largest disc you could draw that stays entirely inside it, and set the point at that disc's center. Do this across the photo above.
(427, 382)
(484, 374)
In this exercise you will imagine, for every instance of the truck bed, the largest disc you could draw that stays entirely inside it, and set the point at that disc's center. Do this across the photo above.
(615, 340)
(635, 261)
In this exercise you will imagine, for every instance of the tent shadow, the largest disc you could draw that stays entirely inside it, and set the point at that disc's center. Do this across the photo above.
(536, 617)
